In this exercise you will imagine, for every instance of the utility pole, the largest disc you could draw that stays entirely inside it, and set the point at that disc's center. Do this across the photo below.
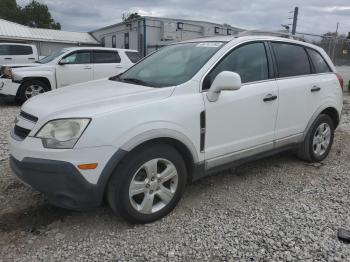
(295, 20)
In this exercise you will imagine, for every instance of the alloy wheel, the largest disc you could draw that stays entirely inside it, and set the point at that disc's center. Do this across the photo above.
(153, 186)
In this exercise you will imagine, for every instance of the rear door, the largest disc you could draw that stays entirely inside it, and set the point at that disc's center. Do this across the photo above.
(22, 54)
(79, 69)
(299, 89)
(106, 64)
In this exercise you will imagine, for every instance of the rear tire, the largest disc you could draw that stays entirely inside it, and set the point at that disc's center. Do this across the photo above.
(318, 141)
(32, 88)
(147, 184)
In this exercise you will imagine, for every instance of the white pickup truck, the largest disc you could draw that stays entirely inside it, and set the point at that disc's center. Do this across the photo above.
(18, 54)
(65, 67)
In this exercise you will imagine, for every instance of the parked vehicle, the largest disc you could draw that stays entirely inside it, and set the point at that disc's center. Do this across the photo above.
(16, 54)
(66, 67)
(185, 111)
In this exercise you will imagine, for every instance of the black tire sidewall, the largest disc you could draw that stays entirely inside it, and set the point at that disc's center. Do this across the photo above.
(118, 188)
(28, 83)
(320, 119)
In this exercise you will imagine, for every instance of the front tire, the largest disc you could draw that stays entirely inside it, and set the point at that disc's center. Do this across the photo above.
(32, 88)
(318, 142)
(147, 184)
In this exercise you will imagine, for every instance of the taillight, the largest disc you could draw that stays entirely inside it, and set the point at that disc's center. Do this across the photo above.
(341, 81)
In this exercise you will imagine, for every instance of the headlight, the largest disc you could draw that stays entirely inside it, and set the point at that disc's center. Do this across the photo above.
(62, 133)
(6, 72)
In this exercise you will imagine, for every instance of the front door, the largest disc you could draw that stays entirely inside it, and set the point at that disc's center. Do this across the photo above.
(77, 70)
(243, 119)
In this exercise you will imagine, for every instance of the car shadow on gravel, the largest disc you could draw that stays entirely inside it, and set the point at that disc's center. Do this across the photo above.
(9, 102)
(32, 218)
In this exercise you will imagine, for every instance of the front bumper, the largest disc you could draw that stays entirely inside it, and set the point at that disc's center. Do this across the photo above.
(55, 173)
(59, 181)
(8, 88)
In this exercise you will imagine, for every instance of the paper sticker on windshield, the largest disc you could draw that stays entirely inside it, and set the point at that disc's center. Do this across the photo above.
(209, 44)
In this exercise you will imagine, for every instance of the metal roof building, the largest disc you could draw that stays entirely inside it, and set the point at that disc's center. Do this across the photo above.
(146, 34)
(46, 40)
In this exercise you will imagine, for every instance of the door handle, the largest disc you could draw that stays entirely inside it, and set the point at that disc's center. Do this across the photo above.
(87, 67)
(31, 58)
(315, 89)
(8, 58)
(118, 67)
(270, 97)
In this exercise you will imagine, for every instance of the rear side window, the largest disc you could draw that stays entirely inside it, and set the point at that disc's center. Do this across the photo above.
(20, 50)
(292, 60)
(318, 61)
(104, 57)
(4, 50)
(249, 61)
(133, 56)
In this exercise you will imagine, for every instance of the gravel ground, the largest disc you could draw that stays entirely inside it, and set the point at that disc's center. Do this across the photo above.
(278, 208)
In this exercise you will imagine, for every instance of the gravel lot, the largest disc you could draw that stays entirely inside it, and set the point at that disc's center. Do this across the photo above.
(279, 208)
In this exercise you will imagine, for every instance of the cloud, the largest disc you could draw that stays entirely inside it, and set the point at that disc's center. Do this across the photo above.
(316, 16)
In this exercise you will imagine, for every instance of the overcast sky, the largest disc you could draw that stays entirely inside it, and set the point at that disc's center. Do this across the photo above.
(316, 16)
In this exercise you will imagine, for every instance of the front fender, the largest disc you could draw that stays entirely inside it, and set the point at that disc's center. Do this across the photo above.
(49, 75)
(154, 130)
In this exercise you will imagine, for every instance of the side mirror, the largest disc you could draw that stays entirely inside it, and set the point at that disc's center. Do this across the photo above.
(63, 62)
(225, 80)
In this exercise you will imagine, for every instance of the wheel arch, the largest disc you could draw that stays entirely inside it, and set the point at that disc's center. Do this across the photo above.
(327, 109)
(45, 80)
(333, 114)
(188, 157)
(182, 148)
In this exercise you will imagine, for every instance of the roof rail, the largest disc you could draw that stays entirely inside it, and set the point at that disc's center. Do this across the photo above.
(270, 33)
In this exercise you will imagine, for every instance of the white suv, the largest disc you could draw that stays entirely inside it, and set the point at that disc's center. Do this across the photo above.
(65, 67)
(183, 112)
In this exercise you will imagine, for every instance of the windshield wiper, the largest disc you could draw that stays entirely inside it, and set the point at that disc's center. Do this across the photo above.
(134, 81)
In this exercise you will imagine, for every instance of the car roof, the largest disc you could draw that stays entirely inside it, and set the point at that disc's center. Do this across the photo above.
(239, 39)
(99, 48)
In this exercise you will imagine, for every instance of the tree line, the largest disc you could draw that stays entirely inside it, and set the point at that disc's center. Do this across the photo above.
(34, 14)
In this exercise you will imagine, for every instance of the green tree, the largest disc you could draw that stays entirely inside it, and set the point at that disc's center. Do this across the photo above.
(9, 10)
(129, 16)
(38, 15)
(34, 14)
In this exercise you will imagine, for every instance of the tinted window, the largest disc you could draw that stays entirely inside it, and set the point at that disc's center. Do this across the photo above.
(4, 50)
(106, 57)
(292, 60)
(133, 56)
(319, 63)
(79, 58)
(21, 50)
(249, 61)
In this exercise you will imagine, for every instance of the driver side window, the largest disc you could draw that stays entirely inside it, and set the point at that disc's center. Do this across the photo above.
(79, 58)
(249, 61)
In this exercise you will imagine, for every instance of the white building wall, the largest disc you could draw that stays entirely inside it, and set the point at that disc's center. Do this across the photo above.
(159, 32)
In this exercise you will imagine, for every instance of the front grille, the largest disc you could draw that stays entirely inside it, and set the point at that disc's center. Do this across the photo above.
(21, 132)
(28, 116)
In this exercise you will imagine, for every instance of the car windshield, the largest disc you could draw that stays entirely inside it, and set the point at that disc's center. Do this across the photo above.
(51, 57)
(171, 65)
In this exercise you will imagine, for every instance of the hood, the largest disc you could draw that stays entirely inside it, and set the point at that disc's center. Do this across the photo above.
(92, 98)
(31, 67)
(22, 65)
